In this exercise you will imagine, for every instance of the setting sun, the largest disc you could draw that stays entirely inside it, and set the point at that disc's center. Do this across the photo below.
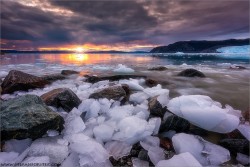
(79, 49)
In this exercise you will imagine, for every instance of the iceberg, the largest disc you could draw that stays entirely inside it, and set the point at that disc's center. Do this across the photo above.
(184, 159)
(205, 113)
(235, 49)
(205, 152)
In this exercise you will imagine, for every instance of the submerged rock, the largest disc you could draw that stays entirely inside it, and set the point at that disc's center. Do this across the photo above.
(18, 80)
(233, 67)
(191, 73)
(175, 123)
(155, 108)
(159, 68)
(69, 72)
(53, 77)
(27, 117)
(151, 83)
(94, 79)
(61, 97)
(113, 92)
(236, 145)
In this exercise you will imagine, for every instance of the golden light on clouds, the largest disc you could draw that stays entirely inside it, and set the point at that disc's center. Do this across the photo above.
(92, 47)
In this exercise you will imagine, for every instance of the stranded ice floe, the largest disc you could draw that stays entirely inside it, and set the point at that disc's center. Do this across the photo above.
(202, 111)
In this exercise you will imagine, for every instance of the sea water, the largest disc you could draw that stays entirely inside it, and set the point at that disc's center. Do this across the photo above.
(228, 86)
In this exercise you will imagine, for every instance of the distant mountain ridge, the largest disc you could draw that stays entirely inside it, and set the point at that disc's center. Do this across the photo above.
(199, 46)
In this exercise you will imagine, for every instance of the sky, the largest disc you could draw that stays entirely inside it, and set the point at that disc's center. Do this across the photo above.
(118, 25)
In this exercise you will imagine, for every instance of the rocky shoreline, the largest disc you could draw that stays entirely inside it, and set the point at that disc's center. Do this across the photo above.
(118, 120)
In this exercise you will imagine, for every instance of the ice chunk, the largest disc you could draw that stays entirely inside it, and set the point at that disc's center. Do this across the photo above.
(18, 146)
(245, 130)
(184, 159)
(91, 149)
(52, 133)
(156, 154)
(38, 159)
(132, 84)
(163, 99)
(118, 149)
(49, 147)
(73, 122)
(123, 69)
(150, 141)
(205, 152)
(132, 129)
(202, 111)
(156, 122)
(243, 159)
(163, 95)
(138, 97)
(139, 163)
(120, 112)
(103, 132)
(71, 161)
(8, 157)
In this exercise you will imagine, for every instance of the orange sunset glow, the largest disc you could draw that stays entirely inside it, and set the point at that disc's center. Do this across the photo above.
(93, 47)
(81, 59)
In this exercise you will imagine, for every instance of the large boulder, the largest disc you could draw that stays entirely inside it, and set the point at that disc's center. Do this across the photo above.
(18, 80)
(191, 73)
(113, 92)
(27, 117)
(61, 97)
(155, 108)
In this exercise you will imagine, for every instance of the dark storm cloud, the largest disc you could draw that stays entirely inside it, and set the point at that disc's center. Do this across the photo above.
(112, 22)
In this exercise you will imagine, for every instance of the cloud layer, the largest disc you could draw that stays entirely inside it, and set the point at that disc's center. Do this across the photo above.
(44, 23)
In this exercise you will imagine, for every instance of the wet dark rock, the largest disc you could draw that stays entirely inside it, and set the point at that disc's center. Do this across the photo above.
(124, 161)
(27, 117)
(69, 72)
(237, 67)
(113, 92)
(18, 80)
(166, 144)
(53, 77)
(235, 134)
(236, 145)
(155, 108)
(198, 131)
(246, 115)
(94, 79)
(159, 68)
(176, 123)
(191, 73)
(151, 83)
(61, 97)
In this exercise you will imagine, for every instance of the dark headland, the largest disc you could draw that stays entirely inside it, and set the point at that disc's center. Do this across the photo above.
(199, 46)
